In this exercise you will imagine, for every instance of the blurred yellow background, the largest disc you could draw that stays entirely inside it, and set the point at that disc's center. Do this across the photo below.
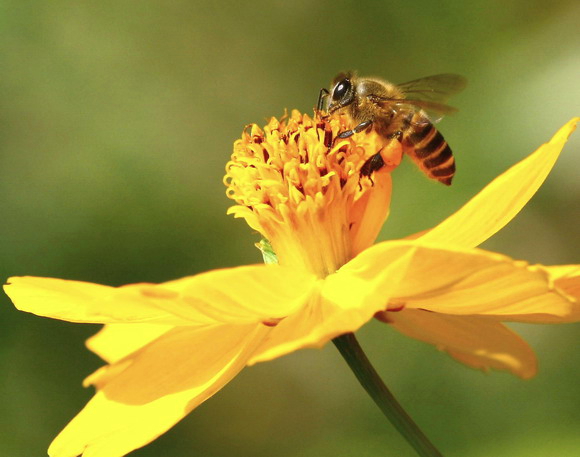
(117, 118)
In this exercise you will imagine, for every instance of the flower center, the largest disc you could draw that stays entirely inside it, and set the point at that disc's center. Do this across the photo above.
(299, 185)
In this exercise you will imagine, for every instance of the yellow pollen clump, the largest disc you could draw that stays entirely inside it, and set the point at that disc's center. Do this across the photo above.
(297, 183)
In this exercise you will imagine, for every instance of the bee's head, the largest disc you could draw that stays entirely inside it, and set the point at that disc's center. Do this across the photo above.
(342, 92)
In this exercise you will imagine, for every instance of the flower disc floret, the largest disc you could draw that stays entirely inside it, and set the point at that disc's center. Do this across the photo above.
(295, 181)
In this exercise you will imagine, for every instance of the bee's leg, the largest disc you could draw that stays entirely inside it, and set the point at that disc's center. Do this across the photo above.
(321, 98)
(374, 163)
(366, 175)
(363, 126)
(359, 128)
(360, 186)
(395, 135)
(387, 159)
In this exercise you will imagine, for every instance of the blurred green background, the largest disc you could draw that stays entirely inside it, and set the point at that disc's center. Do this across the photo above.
(117, 119)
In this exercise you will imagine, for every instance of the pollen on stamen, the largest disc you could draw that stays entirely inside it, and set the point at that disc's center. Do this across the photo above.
(291, 155)
(296, 177)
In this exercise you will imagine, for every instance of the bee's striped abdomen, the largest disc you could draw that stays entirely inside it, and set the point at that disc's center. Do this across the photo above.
(429, 150)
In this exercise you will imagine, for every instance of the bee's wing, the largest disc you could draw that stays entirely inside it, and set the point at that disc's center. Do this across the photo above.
(434, 111)
(436, 89)
(429, 94)
(430, 107)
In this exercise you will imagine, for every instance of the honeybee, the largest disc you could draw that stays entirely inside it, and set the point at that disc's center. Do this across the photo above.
(398, 112)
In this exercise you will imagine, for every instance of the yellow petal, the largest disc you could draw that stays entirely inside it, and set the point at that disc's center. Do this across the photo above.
(370, 212)
(252, 293)
(115, 341)
(566, 278)
(157, 386)
(479, 342)
(500, 201)
(342, 304)
(464, 281)
(78, 301)
(245, 294)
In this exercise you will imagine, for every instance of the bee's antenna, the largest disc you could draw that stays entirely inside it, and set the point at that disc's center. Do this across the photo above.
(322, 95)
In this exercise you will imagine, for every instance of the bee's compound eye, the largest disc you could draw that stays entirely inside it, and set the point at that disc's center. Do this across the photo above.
(341, 89)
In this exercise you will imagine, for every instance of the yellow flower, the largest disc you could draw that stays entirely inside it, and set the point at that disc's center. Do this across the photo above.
(169, 347)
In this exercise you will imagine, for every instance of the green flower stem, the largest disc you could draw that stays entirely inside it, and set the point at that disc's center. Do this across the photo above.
(382, 396)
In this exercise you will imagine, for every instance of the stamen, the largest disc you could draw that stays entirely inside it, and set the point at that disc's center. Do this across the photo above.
(297, 182)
